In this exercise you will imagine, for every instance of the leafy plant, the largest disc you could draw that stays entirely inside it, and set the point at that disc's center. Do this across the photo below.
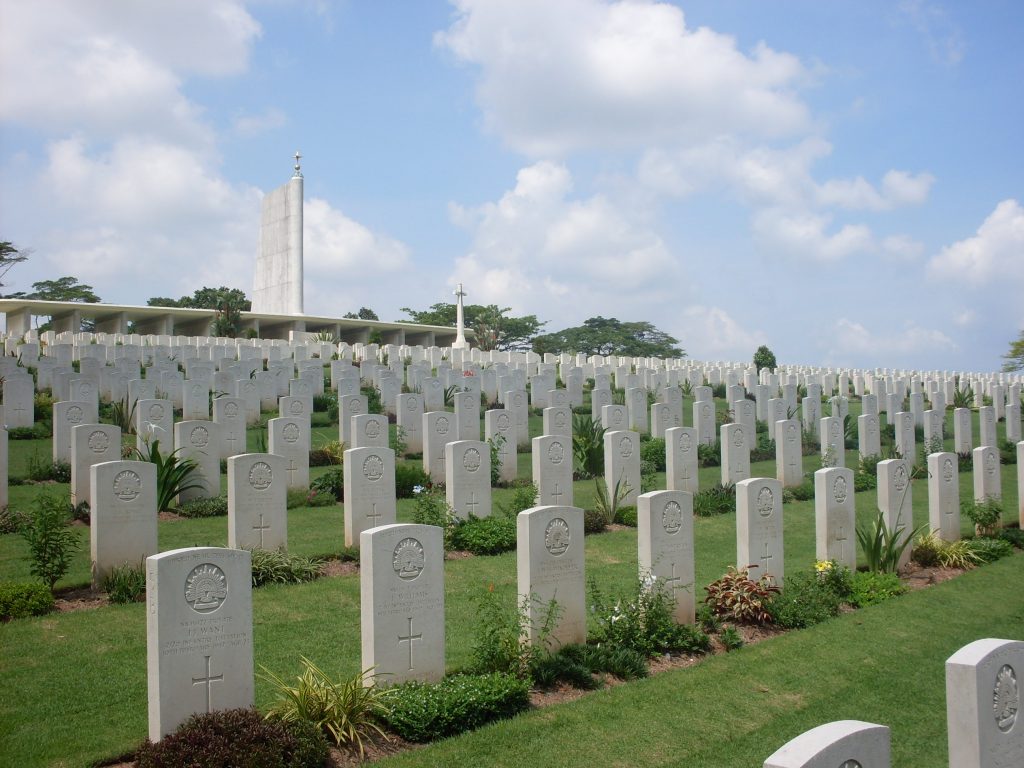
(485, 535)
(125, 583)
(989, 550)
(963, 398)
(986, 515)
(422, 712)
(308, 497)
(236, 737)
(709, 455)
(731, 639)
(494, 446)
(653, 451)
(332, 481)
(871, 588)
(607, 505)
(930, 550)
(737, 597)
(122, 415)
(174, 474)
(432, 509)
(20, 600)
(345, 711)
(719, 499)
(809, 598)
(216, 506)
(408, 477)
(51, 543)
(270, 567)
(883, 547)
(498, 645)
(588, 445)
(11, 520)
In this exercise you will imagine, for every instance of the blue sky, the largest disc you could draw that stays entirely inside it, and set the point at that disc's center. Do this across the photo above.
(840, 181)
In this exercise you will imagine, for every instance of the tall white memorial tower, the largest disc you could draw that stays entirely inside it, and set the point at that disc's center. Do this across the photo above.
(277, 285)
(460, 321)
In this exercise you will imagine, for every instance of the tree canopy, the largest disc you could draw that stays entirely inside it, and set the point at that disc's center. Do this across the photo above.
(229, 303)
(9, 256)
(364, 313)
(1015, 356)
(61, 289)
(494, 328)
(609, 336)
(764, 358)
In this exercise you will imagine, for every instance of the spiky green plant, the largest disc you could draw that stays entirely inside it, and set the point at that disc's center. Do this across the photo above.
(174, 473)
(883, 547)
(588, 445)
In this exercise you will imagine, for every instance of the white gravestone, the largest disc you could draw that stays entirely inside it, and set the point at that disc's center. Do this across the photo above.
(557, 420)
(199, 441)
(516, 404)
(468, 478)
(896, 501)
(835, 516)
(91, 444)
(552, 470)
(599, 398)
(906, 439)
(735, 454)
(988, 481)
(963, 441)
(704, 421)
(622, 465)
(842, 744)
(789, 460)
(944, 496)
(681, 459)
(467, 416)
(369, 493)
(869, 437)
(229, 416)
(349, 406)
(19, 401)
(198, 634)
(987, 426)
(195, 401)
(759, 546)
(401, 585)
(665, 547)
(295, 406)
(614, 417)
(983, 682)
(438, 431)
(154, 420)
(122, 515)
(636, 406)
(410, 421)
(370, 431)
(257, 502)
(550, 567)
(832, 441)
(67, 414)
(498, 427)
(290, 439)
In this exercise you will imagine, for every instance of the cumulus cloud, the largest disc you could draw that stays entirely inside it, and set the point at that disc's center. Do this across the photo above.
(253, 125)
(855, 344)
(338, 247)
(557, 77)
(993, 253)
(711, 333)
(805, 235)
(540, 250)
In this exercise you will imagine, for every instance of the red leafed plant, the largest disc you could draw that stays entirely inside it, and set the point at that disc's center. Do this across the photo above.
(737, 597)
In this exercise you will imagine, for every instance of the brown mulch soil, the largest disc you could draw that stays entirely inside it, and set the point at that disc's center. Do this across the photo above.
(917, 576)
(334, 568)
(80, 599)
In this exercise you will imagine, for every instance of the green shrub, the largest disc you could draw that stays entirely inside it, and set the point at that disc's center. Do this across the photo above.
(523, 498)
(498, 643)
(588, 445)
(40, 431)
(593, 522)
(309, 497)
(577, 665)
(871, 588)
(270, 567)
(432, 509)
(737, 597)
(345, 711)
(626, 516)
(1013, 535)
(709, 455)
(408, 477)
(731, 639)
(196, 508)
(19, 600)
(125, 584)
(986, 515)
(236, 737)
(802, 492)
(806, 600)
(174, 474)
(930, 550)
(11, 520)
(485, 535)
(51, 542)
(332, 481)
(653, 451)
(989, 550)
(421, 712)
(607, 504)
(863, 482)
(717, 500)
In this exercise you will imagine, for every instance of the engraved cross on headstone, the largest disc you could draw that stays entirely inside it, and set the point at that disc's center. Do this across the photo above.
(557, 493)
(841, 541)
(765, 558)
(208, 681)
(292, 469)
(232, 438)
(472, 503)
(263, 526)
(373, 514)
(673, 578)
(408, 639)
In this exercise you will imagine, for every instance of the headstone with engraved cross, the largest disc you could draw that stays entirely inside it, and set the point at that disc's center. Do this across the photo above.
(19, 399)
(290, 439)
(369, 492)
(410, 421)
(229, 415)
(467, 468)
(896, 501)
(983, 682)
(735, 453)
(988, 483)
(841, 744)
(835, 517)
(499, 430)
(944, 495)
(622, 465)
(665, 547)
(257, 501)
(199, 441)
(370, 431)
(438, 431)
(401, 585)
(122, 515)
(681, 459)
(91, 444)
(552, 469)
(198, 634)
(759, 528)
(789, 463)
(67, 414)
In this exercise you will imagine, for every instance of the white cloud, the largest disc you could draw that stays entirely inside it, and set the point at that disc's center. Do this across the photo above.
(965, 318)
(338, 248)
(107, 67)
(804, 235)
(941, 34)
(556, 77)
(898, 188)
(711, 333)
(853, 342)
(994, 253)
(253, 125)
(902, 247)
(541, 251)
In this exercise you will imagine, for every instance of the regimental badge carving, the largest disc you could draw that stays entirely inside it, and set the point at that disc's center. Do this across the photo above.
(556, 452)
(411, 403)
(98, 441)
(792, 433)
(199, 437)
(947, 470)
(556, 537)
(156, 412)
(685, 442)
(517, 400)
(295, 408)
(127, 485)
(231, 410)
(471, 460)
(443, 425)
(560, 420)
(206, 588)
(626, 447)
(504, 422)
(851, 764)
(672, 518)
(1005, 698)
(737, 438)
(765, 502)
(706, 411)
(290, 432)
(840, 490)
(990, 462)
(74, 414)
(900, 480)
(372, 428)
(373, 468)
(408, 559)
(261, 476)
(617, 417)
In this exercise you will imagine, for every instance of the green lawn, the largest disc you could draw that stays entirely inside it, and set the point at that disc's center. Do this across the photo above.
(76, 683)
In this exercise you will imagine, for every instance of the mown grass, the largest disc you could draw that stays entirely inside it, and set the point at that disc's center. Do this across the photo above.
(77, 685)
